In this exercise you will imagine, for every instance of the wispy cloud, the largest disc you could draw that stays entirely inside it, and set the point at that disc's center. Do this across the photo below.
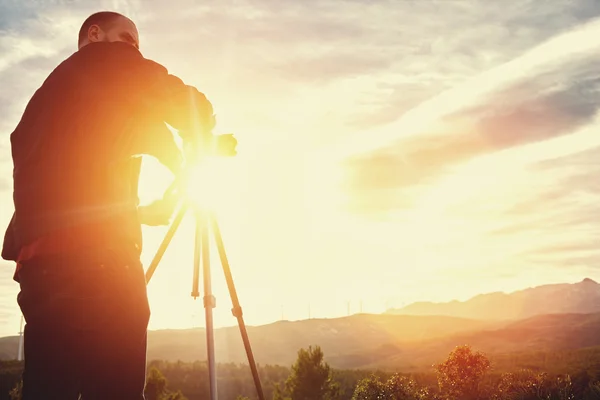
(551, 100)
(5, 184)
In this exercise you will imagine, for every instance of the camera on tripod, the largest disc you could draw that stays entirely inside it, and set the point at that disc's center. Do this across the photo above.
(198, 179)
(223, 145)
(195, 171)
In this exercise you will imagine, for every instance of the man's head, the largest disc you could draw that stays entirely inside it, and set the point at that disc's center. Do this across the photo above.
(108, 26)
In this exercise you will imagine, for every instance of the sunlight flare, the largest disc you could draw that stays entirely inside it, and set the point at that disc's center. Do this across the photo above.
(204, 184)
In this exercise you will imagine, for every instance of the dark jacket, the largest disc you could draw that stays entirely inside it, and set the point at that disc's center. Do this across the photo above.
(73, 148)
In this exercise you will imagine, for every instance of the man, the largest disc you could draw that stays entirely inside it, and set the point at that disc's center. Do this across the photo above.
(75, 233)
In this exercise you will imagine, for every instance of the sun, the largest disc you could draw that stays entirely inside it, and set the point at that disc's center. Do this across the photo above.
(206, 185)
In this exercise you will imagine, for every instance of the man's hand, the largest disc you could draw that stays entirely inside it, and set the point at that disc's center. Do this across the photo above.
(158, 212)
(226, 145)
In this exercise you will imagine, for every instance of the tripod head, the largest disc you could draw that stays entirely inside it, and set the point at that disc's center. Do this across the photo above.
(199, 169)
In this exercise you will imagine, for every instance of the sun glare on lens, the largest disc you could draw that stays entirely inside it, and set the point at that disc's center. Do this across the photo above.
(205, 185)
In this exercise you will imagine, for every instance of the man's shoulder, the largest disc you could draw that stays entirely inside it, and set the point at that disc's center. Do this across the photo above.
(110, 48)
(121, 55)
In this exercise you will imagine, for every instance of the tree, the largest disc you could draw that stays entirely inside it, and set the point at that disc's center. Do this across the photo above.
(174, 396)
(16, 393)
(370, 388)
(156, 387)
(529, 385)
(397, 387)
(404, 388)
(460, 375)
(592, 391)
(156, 384)
(310, 378)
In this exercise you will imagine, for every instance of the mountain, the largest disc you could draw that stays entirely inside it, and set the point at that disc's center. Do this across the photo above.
(581, 297)
(392, 342)
(278, 343)
(8, 347)
(543, 335)
(544, 319)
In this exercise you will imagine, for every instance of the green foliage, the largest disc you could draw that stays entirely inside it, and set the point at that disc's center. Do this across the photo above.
(233, 380)
(592, 392)
(349, 379)
(459, 377)
(404, 388)
(310, 379)
(16, 393)
(369, 389)
(396, 387)
(156, 384)
(156, 387)
(557, 361)
(528, 385)
(10, 379)
(174, 396)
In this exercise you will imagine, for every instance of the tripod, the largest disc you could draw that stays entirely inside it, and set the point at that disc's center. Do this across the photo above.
(206, 220)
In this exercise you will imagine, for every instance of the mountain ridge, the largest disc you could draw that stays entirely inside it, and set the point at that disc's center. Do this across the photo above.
(400, 341)
(374, 341)
(582, 296)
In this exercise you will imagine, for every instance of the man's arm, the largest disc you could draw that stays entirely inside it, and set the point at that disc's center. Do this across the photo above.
(162, 97)
(182, 106)
(155, 98)
(155, 139)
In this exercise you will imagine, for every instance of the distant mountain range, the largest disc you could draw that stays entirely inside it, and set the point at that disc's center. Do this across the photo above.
(394, 342)
(581, 297)
(278, 343)
(543, 335)
(406, 342)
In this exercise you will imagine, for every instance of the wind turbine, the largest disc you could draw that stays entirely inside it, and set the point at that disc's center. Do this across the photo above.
(20, 352)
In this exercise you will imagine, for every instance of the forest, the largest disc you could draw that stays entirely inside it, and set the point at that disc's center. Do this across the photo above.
(466, 374)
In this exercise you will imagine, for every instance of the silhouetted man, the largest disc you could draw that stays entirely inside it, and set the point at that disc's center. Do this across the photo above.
(75, 233)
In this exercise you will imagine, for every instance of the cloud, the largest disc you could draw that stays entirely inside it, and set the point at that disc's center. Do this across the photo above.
(532, 109)
(5, 184)
(5, 317)
(324, 68)
(12, 14)
(561, 206)
(439, 57)
(288, 45)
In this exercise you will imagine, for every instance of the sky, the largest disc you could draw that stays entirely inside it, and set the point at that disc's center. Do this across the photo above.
(389, 151)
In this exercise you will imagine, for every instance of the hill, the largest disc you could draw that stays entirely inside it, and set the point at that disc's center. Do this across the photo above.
(545, 335)
(581, 297)
(279, 342)
(8, 347)
(390, 342)
(407, 343)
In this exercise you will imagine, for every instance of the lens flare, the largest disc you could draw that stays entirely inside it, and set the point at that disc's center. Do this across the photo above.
(204, 184)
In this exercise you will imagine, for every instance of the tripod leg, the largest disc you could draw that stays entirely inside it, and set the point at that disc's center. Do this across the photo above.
(165, 243)
(209, 301)
(197, 254)
(237, 309)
